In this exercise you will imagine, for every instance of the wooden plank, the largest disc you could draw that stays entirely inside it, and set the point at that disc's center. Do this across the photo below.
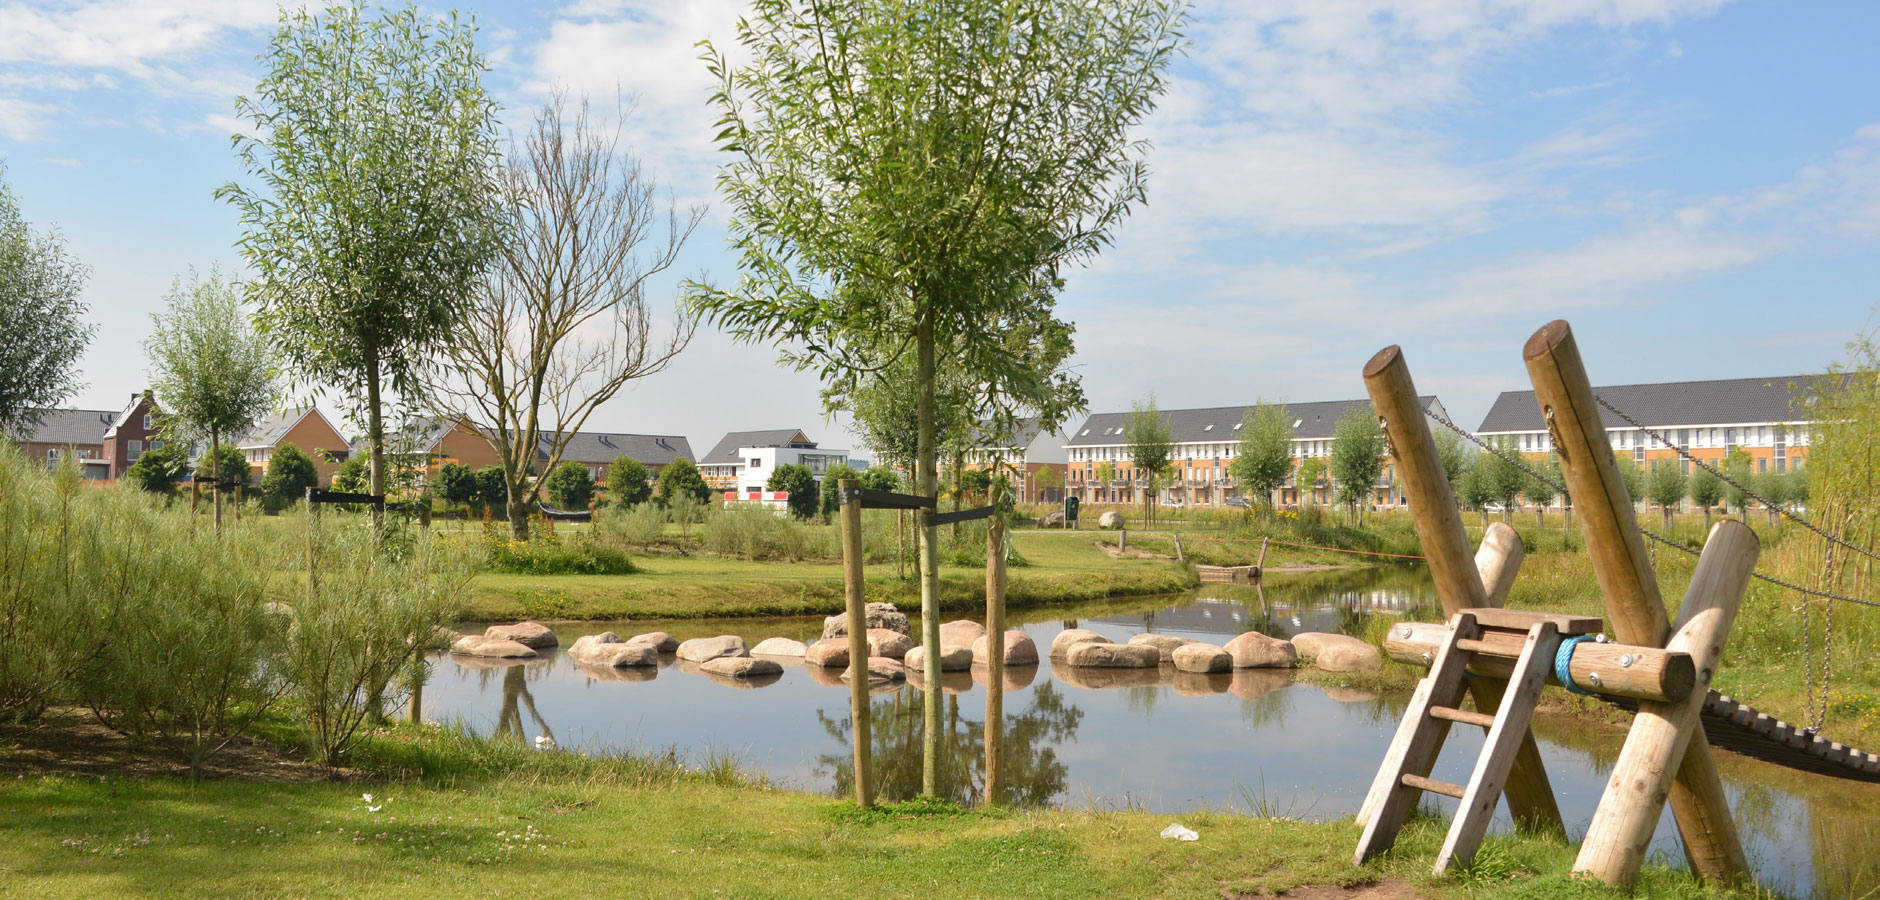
(1654, 755)
(888, 499)
(1652, 674)
(964, 515)
(1498, 750)
(1522, 620)
(1466, 717)
(1431, 785)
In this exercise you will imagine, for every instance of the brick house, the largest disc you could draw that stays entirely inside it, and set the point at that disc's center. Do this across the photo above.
(53, 435)
(307, 429)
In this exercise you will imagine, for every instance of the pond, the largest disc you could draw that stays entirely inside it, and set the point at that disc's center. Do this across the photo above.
(1256, 741)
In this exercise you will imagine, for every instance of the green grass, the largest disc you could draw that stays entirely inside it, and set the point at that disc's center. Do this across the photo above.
(1065, 567)
(499, 819)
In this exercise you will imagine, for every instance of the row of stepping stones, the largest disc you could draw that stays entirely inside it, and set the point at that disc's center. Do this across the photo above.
(1081, 648)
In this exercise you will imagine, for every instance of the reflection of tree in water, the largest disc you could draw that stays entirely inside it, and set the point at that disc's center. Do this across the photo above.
(1033, 774)
(516, 696)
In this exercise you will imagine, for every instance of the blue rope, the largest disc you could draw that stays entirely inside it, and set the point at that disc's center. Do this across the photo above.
(1563, 659)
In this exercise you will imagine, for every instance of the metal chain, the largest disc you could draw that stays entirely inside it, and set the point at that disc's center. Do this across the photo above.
(1518, 463)
(1780, 509)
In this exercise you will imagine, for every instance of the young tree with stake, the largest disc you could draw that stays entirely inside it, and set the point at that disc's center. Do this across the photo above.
(1264, 457)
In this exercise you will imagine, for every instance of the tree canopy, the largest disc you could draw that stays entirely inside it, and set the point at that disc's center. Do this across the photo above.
(681, 478)
(797, 481)
(1263, 459)
(628, 482)
(46, 331)
(1149, 441)
(569, 486)
(1357, 456)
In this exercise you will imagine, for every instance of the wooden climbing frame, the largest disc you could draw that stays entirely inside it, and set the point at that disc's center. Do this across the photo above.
(1666, 668)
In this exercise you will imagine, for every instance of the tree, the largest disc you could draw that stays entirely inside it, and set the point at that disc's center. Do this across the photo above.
(375, 215)
(1541, 491)
(353, 476)
(1706, 490)
(910, 177)
(1264, 457)
(1632, 475)
(880, 478)
(1502, 479)
(1357, 456)
(1666, 485)
(1149, 441)
(1049, 480)
(213, 374)
(628, 482)
(1774, 488)
(681, 477)
(562, 322)
(1798, 485)
(1736, 464)
(1454, 456)
(1477, 488)
(158, 470)
(1312, 470)
(831, 499)
(569, 487)
(1106, 473)
(40, 286)
(224, 465)
(456, 483)
(492, 489)
(800, 486)
(290, 473)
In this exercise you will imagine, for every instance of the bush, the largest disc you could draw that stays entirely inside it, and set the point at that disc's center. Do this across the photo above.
(158, 471)
(290, 473)
(832, 489)
(628, 483)
(634, 526)
(354, 476)
(492, 490)
(755, 533)
(681, 477)
(570, 486)
(799, 487)
(234, 466)
(545, 553)
(456, 483)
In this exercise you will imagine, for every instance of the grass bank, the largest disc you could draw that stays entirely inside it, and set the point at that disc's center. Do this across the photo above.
(1062, 567)
(434, 811)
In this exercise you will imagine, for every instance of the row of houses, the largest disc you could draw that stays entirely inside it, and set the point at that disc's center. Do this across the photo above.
(1765, 417)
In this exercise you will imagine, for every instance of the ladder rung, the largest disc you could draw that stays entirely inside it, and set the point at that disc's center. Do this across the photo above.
(1434, 786)
(1462, 715)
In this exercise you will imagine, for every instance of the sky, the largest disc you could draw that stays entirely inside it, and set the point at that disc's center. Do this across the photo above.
(1693, 184)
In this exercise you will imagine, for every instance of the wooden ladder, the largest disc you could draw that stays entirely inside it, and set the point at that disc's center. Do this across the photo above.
(1403, 776)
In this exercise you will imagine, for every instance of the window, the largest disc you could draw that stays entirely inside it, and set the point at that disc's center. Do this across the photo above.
(1762, 464)
(52, 453)
(756, 463)
(156, 445)
(1638, 455)
(136, 449)
(147, 426)
(1684, 437)
(1729, 435)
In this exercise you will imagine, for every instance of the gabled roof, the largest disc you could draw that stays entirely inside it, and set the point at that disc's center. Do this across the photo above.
(68, 426)
(1023, 433)
(1312, 421)
(601, 448)
(1731, 401)
(272, 429)
(123, 416)
(420, 435)
(727, 449)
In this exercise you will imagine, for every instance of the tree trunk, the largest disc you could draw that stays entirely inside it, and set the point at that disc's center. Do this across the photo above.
(1667, 512)
(518, 509)
(926, 482)
(215, 475)
(375, 438)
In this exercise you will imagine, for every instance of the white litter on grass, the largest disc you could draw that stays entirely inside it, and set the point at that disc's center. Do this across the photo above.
(1175, 832)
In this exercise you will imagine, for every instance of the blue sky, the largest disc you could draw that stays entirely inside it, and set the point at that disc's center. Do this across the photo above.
(1694, 184)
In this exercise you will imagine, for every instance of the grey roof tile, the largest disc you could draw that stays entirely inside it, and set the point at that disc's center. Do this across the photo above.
(726, 450)
(1729, 401)
(69, 426)
(601, 448)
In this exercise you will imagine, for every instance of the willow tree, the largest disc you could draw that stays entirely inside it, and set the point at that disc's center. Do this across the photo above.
(901, 170)
(373, 215)
(1150, 442)
(562, 322)
(1358, 457)
(41, 303)
(212, 375)
(1263, 458)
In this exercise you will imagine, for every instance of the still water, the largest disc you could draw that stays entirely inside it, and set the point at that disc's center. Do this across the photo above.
(1256, 741)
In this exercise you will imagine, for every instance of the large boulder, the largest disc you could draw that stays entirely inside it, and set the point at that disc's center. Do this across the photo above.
(882, 669)
(1202, 658)
(1019, 649)
(1253, 650)
(1110, 519)
(888, 643)
(778, 646)
(699, 650)
(952, 659)
(528, 633)
(607, 650)
(961, 632)
(879, 615)
(495, 648)
(661, 641)
(741, 667)
(1113, 656)
(827, 654)
(1164, 644)
(1337, 652)
(1052, 519)
(1071, 637)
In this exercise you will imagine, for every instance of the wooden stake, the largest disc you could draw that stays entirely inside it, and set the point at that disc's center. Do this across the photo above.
(1460, 577)
(1634, 607)
(1655, 752)
(995, 659)
(858, 642)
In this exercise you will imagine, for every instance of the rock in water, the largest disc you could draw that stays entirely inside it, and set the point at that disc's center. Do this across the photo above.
(888, 643)
(882, 669)
(483, 645)
(661, 641)
(741, 667)
(607, 650)
(778, 646)
(1253, 650)
(527, 633)
(1337, 652)
(828, 654)
(952, 659)
(1114, 656)
(1164, 644)
(1071, 637)
(1203, 658)
(699, 650)
(1019, 649)
(961, 632)
(879, 615)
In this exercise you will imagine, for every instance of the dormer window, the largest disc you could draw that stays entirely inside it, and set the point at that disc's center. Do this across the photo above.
(1237, 425)
(1208, 427)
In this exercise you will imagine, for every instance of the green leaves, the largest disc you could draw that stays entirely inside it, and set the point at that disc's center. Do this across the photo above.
(40, 284)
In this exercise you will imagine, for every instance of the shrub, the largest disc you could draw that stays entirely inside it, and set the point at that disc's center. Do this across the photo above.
(354, 475)
(628, 483)
(754, 533)
(49, 620)
(492, 491)
(831, 499)
(456, 483)
(799, 486)
(234, 466)
(635, 526)
(545, 553)
(158, 471)
(570, 486)
(290, 473)
(681, 477)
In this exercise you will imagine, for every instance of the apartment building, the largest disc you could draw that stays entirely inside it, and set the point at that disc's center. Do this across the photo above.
(1206, 442)
(1766, 417)
(1037, 460)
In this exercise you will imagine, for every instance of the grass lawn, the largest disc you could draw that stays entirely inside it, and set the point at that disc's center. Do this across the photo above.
(494, 819)
(1063, 567)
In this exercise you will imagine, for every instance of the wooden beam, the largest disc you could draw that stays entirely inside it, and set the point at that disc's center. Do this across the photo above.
(858, 642)
(1654, 756)
(1498, 561)
(995, 661)
(1634, 606)
(1620, 670)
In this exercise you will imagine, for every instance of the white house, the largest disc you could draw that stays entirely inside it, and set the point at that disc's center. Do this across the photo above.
(744, 460)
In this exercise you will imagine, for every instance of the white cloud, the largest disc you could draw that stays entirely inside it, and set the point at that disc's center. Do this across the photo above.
(126, 35)
(21, 120)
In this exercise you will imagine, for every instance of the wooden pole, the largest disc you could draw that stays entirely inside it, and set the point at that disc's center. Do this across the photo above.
(1459, 575)
(1261, 562)
(1655, 754)
(858, 641)
(995, 659)
(1634, 607)
(313, 525)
